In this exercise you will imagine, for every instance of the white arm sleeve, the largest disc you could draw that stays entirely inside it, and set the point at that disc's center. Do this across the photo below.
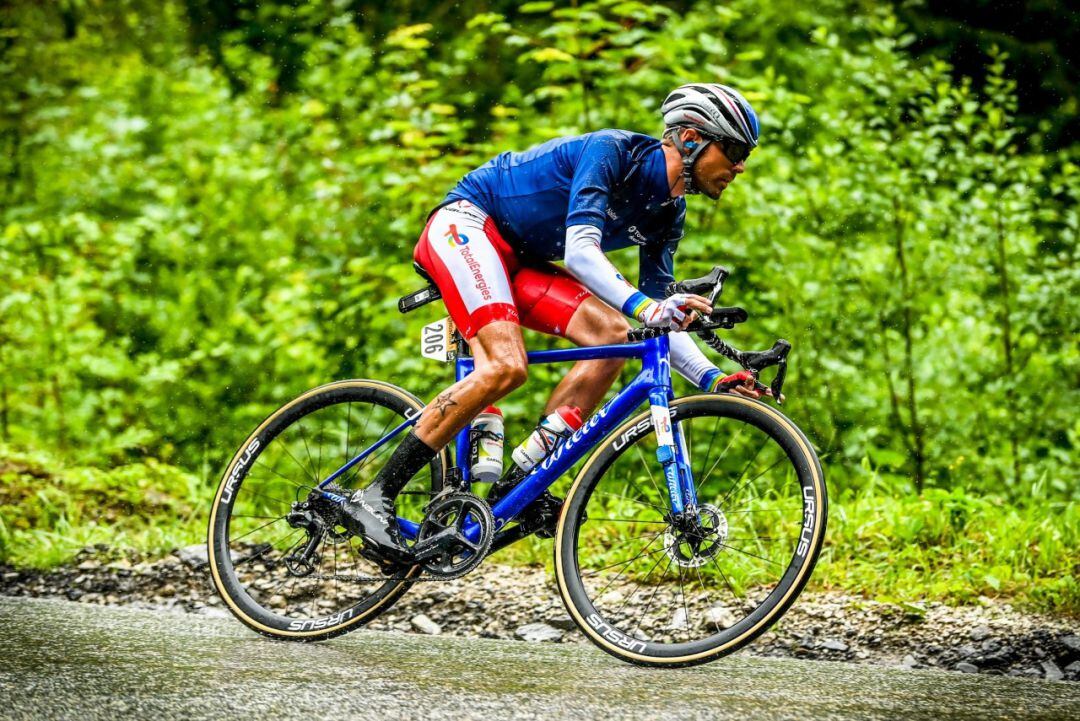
(688, 360)
(587, 262)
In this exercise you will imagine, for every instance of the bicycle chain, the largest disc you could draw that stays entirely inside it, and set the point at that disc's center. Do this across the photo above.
(366, 579)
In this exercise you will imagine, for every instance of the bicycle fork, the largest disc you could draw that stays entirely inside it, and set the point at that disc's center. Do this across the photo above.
(671, 453)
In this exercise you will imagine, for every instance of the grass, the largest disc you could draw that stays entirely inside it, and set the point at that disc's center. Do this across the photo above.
(954, 546)
(48, 511)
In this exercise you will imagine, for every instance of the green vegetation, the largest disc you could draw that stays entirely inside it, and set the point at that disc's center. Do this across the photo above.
(48, 512)
(947, 545)
(206, 208)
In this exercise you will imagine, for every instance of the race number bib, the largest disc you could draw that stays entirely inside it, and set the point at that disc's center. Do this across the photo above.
(435, 340)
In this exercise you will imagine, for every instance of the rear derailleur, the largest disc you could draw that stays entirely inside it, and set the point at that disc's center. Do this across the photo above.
(320, 518)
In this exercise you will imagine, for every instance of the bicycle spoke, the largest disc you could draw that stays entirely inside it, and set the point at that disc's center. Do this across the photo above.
(648, 470)
(318, 464)
(747, 553)
(334, 581)
(648, 604)
(299, 465)
(772, 466)
(279, 518)
(348, 428)
(708, 598)
(722, 455)
(640, 583)
(734, 594)
(750, 462)
(686, 608)
(705, 458)
(260, 464)
(632, 500)
(307, 450)
(624, 563)
(623, 520)
(367, 461)
(763, 510)
(609, 549)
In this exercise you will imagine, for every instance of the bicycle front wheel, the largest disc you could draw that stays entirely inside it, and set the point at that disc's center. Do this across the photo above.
(655, 589)
(308, 582)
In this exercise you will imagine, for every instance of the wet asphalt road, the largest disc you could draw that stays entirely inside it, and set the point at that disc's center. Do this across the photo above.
(61, 660)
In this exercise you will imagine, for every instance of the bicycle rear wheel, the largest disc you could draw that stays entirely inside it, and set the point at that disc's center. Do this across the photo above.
(253, 547)
(657, 590)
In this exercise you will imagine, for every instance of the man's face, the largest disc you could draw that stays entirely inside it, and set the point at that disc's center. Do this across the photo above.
(713, 171)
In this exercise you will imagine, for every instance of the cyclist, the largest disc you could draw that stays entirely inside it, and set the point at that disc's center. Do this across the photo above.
(489, 245)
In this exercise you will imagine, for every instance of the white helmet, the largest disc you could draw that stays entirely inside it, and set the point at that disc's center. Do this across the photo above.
(716, 110)
(721, 114)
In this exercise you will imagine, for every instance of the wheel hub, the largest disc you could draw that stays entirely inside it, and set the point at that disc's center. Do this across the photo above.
(695, 539)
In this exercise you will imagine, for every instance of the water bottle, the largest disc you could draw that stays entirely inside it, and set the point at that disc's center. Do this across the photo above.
(564, 421)
(486, 462)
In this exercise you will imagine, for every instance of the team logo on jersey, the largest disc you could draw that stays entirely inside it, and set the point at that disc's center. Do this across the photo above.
(453, 237)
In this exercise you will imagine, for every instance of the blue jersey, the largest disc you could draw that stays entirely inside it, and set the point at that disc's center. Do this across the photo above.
(611, 179)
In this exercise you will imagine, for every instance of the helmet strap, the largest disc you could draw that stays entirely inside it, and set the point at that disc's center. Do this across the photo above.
(689, 159)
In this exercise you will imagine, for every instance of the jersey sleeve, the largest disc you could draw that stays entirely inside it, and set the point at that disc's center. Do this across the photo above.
(599, 167)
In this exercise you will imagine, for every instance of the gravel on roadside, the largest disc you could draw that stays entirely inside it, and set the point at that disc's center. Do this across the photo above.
(523, 604)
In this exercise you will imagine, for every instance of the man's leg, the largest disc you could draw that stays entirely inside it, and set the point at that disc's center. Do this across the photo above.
(593, 323)
(501, 366)
(462, 251)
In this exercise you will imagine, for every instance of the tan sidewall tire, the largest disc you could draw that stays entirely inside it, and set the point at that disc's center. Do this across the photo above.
(565, 542)
(235, 598)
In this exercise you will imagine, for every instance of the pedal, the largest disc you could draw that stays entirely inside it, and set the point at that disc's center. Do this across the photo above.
(541, 517)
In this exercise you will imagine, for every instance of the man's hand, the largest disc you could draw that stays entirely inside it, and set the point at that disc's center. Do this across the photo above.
(744, 384)
(676, 312)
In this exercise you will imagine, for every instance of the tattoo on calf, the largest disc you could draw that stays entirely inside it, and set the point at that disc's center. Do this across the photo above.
(443, 402)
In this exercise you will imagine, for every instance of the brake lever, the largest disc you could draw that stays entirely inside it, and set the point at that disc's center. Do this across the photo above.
(778, 381)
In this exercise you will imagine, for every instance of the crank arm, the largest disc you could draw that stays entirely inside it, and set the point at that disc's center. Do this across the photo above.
(434, 545)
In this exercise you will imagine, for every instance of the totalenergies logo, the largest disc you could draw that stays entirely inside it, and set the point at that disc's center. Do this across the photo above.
(454, 238)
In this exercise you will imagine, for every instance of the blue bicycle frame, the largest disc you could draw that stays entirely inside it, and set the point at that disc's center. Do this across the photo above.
(652, 384)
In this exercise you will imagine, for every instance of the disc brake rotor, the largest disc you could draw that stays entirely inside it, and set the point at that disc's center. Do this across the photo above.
(694, 547)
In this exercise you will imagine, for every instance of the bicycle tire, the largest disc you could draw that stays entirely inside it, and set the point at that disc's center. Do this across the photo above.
(628, 644)
(392, 403)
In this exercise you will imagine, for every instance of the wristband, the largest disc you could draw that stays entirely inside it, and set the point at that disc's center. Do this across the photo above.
(636, 304)
(711, 380)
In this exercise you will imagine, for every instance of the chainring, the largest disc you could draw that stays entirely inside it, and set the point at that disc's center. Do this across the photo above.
(452, 511)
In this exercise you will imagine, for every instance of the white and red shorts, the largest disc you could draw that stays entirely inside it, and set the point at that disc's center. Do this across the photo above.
(482, 280)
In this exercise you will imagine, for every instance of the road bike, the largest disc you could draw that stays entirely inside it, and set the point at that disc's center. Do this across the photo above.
(690, 528)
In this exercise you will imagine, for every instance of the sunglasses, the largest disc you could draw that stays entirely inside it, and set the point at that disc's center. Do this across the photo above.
(735, 151)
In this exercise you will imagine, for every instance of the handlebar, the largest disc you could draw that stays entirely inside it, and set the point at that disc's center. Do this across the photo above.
(711, 286)
(719, 318)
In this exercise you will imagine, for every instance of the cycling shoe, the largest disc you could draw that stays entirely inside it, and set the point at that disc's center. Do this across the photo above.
(370, 514)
